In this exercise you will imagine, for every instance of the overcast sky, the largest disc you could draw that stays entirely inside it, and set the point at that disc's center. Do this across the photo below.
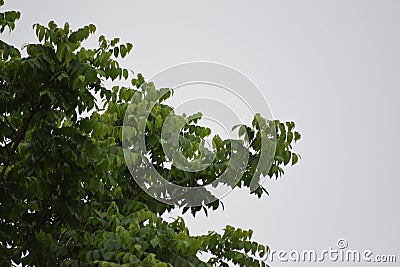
(333, 67)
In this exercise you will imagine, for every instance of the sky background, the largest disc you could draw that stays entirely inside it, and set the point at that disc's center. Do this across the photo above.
(331, 66)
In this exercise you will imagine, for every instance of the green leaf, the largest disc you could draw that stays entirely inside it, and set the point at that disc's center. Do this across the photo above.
(242, 130)
(129, 47)
(125, 73)
(123, 50)
(289, 137)
(295, 158)
(155, 242)
(287, 155)
(49, 94)
(297, 136)
(116, 51)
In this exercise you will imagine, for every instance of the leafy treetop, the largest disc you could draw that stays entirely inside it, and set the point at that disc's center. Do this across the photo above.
(66, 194)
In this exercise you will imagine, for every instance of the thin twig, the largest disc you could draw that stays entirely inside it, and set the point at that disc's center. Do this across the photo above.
(9, 125)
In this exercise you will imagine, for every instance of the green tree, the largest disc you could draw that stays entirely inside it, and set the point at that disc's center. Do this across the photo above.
(66, 194)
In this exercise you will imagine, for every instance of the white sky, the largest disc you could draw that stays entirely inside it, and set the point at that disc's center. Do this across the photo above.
(331, 66)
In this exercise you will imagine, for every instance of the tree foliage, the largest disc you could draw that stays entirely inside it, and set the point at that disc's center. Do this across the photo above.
(66, 194)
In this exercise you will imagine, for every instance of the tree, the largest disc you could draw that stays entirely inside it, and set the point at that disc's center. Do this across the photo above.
(66, 194)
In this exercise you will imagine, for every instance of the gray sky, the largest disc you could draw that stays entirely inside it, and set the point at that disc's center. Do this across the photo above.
(331, 66)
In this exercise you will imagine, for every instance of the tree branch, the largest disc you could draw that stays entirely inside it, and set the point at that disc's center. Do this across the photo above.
(18, 138)
(9, 125)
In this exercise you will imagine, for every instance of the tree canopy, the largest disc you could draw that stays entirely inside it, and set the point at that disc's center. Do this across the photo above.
(67, 195)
